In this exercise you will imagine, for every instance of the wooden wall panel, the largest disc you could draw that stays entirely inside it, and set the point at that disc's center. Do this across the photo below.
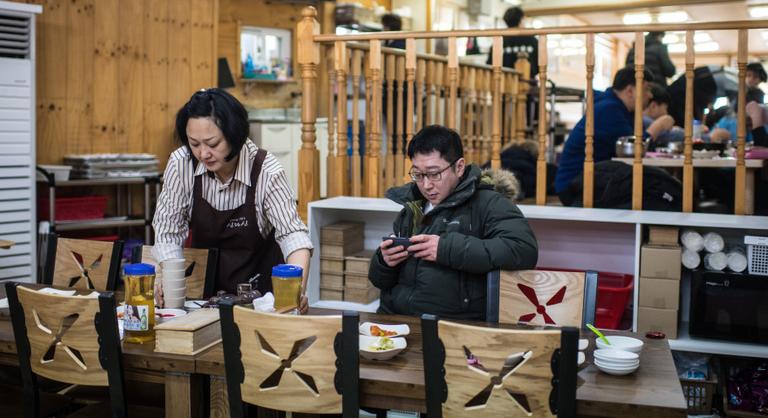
(111, 74)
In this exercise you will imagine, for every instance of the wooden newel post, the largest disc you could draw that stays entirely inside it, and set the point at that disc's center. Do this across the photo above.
(523, 68)
(308, 56)
(497, 92)
(589, 130)
(688, 140)
(373, 167)
(541, 163)
(637, 164)
(741, 127)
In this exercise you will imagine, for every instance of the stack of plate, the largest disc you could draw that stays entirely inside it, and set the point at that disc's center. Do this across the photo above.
(616, 362)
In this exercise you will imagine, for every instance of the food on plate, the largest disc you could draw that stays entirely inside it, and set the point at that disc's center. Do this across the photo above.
(383, 344)
(378, 332)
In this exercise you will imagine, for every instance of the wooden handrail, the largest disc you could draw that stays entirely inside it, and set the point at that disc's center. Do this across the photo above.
(562, 30)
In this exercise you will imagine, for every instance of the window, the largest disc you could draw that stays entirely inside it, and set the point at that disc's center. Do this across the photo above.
(265, 53)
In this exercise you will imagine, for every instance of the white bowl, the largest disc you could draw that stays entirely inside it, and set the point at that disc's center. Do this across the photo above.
(60, 172)
(615, 355)
(618, 365)
(583, 344)
(175, 303)
(619, 342)
(174, 283)
(173, 264)
(172, 274)
(174, 292)
(367, 342)
(615, 371)
(400, 330)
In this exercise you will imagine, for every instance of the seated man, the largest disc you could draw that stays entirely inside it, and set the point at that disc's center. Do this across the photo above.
(614, 118)
(459, 227)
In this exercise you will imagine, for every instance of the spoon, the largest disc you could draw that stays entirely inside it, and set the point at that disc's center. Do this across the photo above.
(598, 333)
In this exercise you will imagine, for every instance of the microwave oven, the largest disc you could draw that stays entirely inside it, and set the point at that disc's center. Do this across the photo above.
(730, 306)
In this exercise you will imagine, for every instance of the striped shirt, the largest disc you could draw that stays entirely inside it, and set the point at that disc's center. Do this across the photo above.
(275, 206)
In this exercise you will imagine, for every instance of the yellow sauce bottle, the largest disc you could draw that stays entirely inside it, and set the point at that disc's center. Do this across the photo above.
(139, 309)
(286, 285)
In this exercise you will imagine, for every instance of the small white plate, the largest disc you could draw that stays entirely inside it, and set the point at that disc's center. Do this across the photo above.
(166, 314)
(581, 358)
(400, 330)
(619, 342)
(195, 304)
(367, 351)
(583, 344)
(614, 370)
(615, 355)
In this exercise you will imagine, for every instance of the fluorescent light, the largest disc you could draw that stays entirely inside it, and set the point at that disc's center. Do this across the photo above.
(672, 17)
(676, 48)
(637, 18)
(700, 37)
(670, 38)
(758, 11)
(706, 47)
(537, 24)
(572, 43)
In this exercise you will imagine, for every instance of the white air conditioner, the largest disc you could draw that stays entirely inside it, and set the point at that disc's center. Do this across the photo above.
(17, 140)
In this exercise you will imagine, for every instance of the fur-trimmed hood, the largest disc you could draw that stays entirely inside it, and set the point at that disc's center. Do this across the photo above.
(503, 182)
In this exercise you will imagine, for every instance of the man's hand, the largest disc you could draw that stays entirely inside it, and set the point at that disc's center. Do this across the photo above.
(424, 247)
(392, 256)
(660, 125)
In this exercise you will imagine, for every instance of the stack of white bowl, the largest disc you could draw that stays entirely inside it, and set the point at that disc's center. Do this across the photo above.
(620, 356)
(174, 283)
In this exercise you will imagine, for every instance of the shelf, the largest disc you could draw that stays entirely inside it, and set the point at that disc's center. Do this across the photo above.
(267, 81)
(98, 223)
(685, 342)
(102, 182)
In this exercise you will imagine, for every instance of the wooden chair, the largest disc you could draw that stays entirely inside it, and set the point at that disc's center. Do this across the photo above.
(290, 362)
(201, 266)
(472, 371)
(70, 339)
(82, 264)
(538, 297)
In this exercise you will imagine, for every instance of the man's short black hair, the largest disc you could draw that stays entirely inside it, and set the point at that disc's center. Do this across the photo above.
(513, 16)
(227, 113)
(626, 77)
(659, 94)
(437, 138)
(758, 69)
(392, 22)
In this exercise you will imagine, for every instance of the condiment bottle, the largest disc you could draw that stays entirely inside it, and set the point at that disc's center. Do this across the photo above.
(139, 309)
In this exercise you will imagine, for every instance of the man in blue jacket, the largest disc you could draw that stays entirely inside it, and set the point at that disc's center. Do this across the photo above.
(614, 118)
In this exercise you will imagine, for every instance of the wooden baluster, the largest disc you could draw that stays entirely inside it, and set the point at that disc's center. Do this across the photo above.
(476, 115)
(428, 120)
(469, 140)
(421, 74)
(439, 96)
(308, 57)
(389, 75)
(497, 92)
(523, 68)
(739, 204)
(513, 105)
(688, 141)
(373, 166)
(487, 102)
(453, 69)
(357, 57)
(410, 76)
(332, 186)
(589, 130)
(368, 117)
(480, 118)
(541, 163)
(399, 153)
(341, 169)
(637, 165)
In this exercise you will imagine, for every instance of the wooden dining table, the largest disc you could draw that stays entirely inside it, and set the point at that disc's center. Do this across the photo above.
(653, 390)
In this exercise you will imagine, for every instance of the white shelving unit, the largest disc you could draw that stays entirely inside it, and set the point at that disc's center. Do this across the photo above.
(573, 238)
(17, 140)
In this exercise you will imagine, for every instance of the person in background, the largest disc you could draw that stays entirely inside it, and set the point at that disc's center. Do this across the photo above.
(519, 43)
(658, 106)
(726, 127)
(614, 117)
(391, 22)
(755, 74)
(227, 193)
(657, 60)
(460, 228)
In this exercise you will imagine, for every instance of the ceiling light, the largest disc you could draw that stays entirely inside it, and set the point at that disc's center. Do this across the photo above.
(672, 17)
(706, 47)
(670, 38)
(758, 12)
(637, 18)
(537, 24)
(676, 48)
(700, 37)
(572, 43)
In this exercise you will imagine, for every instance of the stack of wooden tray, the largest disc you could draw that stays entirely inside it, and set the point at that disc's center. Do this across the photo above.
(337, 241)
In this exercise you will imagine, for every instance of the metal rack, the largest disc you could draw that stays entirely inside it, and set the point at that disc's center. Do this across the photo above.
(124, 203)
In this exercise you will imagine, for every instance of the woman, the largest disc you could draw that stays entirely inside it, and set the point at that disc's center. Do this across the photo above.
(225, 192)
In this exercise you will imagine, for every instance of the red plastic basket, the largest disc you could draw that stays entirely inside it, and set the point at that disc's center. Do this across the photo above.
(74, 208)
(613, 293)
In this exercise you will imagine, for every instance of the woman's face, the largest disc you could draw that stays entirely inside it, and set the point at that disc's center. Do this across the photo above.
(207, 143)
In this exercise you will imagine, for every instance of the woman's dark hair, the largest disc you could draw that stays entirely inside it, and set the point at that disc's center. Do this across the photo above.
(227, 113)
(759, 71)
(513, 16)
(437, 138)
(659, 94)
(392, 22)
(654, 36)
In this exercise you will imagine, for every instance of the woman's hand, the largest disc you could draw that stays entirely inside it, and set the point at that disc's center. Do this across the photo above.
(159, 301)
(303, 305)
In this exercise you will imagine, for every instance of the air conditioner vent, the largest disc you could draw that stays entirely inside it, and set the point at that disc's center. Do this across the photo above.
(15, 36)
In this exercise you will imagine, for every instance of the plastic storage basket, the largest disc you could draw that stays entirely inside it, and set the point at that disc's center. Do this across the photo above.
(700, 393)
(75, 208)
(757, 254)
(613, 293)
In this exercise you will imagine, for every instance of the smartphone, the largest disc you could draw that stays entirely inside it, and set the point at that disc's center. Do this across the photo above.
(404, 241)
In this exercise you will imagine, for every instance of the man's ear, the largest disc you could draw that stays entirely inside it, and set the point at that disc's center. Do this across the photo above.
(461, 164)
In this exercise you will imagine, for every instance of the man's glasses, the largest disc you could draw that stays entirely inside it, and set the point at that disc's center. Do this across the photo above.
(433, 176)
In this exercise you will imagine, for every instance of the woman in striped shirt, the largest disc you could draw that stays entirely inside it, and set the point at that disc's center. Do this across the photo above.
(225, 192)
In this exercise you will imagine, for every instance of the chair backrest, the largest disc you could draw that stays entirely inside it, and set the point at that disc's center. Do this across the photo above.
(539, 297)
(70, 339)
(491, 372)
(290, 362)
(200, 264)
(83, 264)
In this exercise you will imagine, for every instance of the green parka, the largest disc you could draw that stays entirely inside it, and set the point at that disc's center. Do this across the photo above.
(480, 230)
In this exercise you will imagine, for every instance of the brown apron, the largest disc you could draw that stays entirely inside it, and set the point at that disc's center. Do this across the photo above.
(243, 252)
